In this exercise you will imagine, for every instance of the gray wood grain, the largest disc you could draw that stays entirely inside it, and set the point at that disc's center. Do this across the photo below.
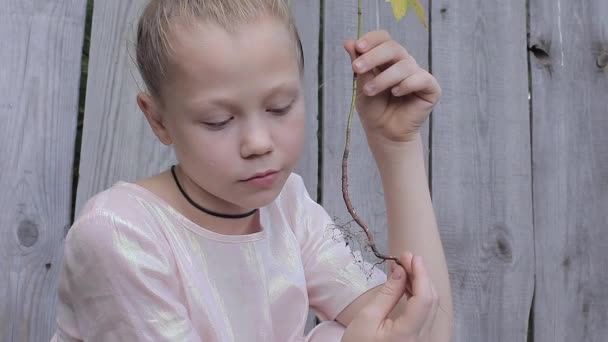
(117, 142)
(569, 71)
(365, 187)
(39, 77)
(481, 172)
(307, 14)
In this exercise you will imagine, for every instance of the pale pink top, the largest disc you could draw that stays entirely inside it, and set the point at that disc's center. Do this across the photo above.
(135, 269)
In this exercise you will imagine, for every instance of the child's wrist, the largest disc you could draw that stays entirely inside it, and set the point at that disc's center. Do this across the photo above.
(383, 148)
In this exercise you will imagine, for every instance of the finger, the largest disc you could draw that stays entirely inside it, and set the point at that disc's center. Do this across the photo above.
(428, 325)
(403, 259)
(386, 299)
(386, 53)
(391, 77)
(349, 46)
(372, 39)
(407, 262)
(421, 83)
(418, 306)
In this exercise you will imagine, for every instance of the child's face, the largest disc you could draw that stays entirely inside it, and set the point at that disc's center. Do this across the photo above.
(234, 106)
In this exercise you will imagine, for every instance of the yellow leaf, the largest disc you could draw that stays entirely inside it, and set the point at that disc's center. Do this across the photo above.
(400, 8)
(419, 11)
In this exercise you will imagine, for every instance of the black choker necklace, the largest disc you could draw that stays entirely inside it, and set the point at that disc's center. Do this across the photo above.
(207, 210)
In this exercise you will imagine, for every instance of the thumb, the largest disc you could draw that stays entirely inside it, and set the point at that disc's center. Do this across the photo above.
(388, 296)
(349, 46)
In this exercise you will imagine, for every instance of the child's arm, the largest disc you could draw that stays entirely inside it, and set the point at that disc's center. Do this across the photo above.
(412, 225)
(391, 115)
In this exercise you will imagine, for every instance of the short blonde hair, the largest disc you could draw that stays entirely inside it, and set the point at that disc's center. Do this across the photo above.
(153, 48)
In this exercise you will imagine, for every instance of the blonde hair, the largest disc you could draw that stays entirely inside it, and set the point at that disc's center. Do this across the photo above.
(153, 49)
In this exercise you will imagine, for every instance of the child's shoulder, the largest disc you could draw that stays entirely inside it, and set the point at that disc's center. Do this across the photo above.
(122, 206)
(117, 198)
(115, 223)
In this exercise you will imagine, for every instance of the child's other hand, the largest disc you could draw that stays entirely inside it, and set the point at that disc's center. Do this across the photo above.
(394, 95)
(415, 322)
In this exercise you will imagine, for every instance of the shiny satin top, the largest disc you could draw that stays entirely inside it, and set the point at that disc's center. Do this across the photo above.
(135, 269)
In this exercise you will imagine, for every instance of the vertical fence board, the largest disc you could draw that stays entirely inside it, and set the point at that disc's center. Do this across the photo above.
(365, 187)
(40, 58)
(308, 19)
(117, 142)
(481, 173)
(570, 158)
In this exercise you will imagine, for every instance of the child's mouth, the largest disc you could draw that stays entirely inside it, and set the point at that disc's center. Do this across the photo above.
(263, 180)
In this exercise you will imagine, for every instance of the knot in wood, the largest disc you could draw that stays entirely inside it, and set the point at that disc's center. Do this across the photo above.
(602, 60)
(502, 248)
(540, 52)
(27, 232)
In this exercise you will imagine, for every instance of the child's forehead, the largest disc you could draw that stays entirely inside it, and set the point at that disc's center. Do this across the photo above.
(208, 61)
(264, 43)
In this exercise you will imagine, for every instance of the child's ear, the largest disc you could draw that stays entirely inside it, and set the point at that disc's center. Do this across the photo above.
(150, 109)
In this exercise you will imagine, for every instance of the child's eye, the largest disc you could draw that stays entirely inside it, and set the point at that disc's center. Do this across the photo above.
(282, 110)
(217, 125)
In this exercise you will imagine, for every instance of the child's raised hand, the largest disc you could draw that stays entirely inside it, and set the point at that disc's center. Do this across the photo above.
(394, 94)
(414, 323)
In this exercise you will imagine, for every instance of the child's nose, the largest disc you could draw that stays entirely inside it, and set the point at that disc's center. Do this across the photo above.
(256, 140)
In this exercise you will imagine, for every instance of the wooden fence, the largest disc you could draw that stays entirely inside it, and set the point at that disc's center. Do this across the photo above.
(517, 149)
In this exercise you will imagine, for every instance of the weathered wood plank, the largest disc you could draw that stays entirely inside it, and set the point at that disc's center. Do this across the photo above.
(118, 143)
(570, 159)
(365, 186)
(39, 78)
(307, 14)
(481, 172)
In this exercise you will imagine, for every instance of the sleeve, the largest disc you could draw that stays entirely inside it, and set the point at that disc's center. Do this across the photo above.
(335, 275)
(118, 283)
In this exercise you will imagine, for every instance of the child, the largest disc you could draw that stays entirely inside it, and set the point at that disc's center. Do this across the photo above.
(228, 245)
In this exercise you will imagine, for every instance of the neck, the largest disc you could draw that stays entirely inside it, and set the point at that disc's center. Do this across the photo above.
(228, 223)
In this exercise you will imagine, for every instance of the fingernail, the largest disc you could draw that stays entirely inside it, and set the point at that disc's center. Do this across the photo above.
(370, 88)
(359, 65)
(362, 44)
(397, 273)
(395, 91)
